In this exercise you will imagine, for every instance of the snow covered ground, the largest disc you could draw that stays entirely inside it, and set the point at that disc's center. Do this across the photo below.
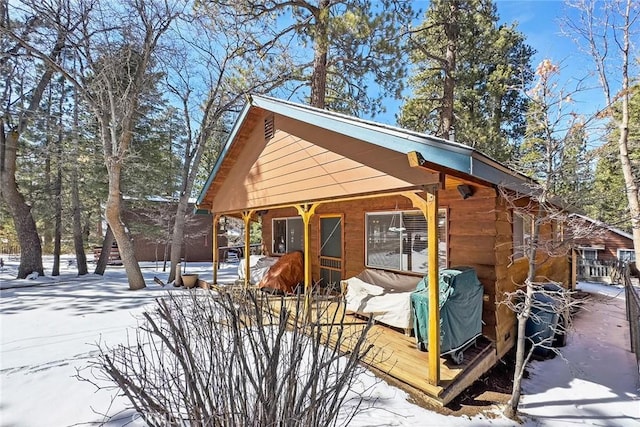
(597, 383)
(50, 326)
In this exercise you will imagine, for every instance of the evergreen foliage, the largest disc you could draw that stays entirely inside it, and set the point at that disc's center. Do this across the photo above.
(353, 43)
(554, 149)
(461, 44)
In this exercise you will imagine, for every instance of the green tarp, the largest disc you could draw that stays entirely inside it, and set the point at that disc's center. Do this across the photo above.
(460, 309)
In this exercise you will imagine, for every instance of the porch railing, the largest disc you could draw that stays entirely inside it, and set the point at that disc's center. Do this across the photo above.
(601, 271)
(633, 314)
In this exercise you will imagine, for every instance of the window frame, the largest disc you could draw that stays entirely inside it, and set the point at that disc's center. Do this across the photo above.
(287, 242)
(621, 250)
(583, 252)
(519, 245)
(443, 212)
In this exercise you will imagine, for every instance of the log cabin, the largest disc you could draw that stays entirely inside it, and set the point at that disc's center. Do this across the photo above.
(606, 243)
(353, 194)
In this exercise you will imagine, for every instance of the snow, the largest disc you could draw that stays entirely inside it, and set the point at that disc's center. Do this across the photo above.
(595, 382)
(50, 326)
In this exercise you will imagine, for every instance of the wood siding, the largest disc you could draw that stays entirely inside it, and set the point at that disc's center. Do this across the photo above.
(479, 235)
(610, 240)
(298, 162)
(471, 236)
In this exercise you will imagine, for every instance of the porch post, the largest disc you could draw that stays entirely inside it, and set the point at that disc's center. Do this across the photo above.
(246, 217)
(216, 255)
(306, 212)
(434, 285)
(429, 209)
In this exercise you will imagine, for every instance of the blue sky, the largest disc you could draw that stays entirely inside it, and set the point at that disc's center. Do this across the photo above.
(540, 22)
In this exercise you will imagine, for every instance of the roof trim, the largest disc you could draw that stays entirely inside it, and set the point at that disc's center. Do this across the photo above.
(236, 128)
(605, 225)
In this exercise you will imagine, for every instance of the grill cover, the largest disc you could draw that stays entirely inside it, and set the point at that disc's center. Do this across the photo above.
(460, 308)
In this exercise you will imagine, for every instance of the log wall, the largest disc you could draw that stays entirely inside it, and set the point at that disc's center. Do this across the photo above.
(479, 235)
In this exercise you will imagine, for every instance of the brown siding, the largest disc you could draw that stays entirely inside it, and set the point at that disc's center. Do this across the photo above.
(479, 236)
(510, 274)
(610, 240)
(142, 220)
(471, 235)
(300, 160)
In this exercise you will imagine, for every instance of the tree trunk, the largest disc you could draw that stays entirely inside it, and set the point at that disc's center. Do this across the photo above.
(451, 31)
(78, 239)
(57, 233)
(319, 73)
(30, 246)
(177, 239)
(623, 141)
(516, 392)
(113, 213)
(521, 358)
(107, 243)
(47, 226)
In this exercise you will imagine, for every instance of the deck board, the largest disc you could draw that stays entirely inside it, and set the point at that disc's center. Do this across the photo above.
(396, 354)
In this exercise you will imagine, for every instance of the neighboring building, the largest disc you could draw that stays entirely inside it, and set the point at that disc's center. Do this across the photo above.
(353, 195)
(605, 244)
(150, 223)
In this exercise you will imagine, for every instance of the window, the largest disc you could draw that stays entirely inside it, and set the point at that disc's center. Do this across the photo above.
(398, 240)
(558, 232)
(589, 254)
(288, 235)
(627, 255)
(521, 233)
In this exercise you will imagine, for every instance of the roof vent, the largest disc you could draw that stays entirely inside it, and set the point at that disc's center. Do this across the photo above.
(269, 128)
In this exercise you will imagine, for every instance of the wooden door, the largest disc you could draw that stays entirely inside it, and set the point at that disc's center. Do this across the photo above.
(331, 251)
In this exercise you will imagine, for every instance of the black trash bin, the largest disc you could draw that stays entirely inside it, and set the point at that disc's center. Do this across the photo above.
(542, 324)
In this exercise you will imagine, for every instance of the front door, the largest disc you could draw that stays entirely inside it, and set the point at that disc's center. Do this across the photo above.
(331, 261)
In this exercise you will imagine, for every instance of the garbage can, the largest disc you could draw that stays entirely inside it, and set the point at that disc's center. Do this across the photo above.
(542, 323)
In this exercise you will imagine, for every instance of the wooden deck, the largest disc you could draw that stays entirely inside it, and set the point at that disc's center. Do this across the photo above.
(396, 355)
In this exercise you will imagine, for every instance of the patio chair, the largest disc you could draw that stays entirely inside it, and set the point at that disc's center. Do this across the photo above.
(232, 257)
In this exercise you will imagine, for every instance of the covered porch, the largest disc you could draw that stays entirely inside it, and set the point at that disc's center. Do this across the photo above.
(391, 342)
(394, 353)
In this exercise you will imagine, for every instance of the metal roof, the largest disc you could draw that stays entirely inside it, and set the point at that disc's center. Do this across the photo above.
(436, 151)
(605, 225)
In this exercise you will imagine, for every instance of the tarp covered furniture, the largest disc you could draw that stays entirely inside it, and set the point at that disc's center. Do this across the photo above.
(258, 267)
(382, 295)
(460, 310)
(285, 275)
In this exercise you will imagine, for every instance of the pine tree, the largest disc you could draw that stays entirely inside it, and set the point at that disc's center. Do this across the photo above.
(336, 48)
(468, 72)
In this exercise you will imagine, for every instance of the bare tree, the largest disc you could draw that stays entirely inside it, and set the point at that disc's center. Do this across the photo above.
(605, 30)
(540, 220)
(212, 53)
(121, 74)
(20, 103)
(543, 307)
(116, 45)
(225, 360)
